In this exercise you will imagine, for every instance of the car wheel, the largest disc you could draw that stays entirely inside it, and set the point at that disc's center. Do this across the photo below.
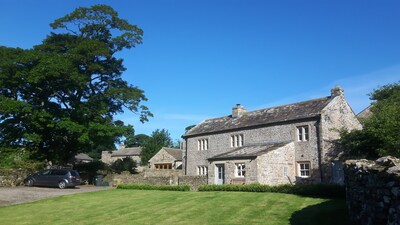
(62, 184)
(29, 183)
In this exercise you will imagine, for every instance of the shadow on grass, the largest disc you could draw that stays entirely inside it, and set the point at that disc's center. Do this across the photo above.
(331, 212)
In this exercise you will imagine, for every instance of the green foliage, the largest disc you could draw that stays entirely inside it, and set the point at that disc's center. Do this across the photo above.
(126, 164)
(136, 140)
(61, 96)
(154, 187)
(89, 170)
(310, 190)
(381, 133)
(18, 158)
(158, 139)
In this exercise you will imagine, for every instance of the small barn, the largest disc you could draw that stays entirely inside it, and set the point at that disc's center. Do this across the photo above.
(167, 158)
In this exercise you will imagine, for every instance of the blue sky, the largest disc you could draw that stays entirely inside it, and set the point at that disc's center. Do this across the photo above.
(200, 58)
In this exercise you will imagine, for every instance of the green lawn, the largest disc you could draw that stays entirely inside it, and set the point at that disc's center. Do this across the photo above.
(118, 207)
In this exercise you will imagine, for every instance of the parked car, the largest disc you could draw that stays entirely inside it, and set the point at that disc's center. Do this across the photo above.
(61, 178)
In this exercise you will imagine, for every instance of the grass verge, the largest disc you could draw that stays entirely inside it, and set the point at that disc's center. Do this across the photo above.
(160, 207)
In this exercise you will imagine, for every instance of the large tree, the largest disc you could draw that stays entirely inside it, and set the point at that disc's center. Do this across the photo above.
(61, 96)
(380, 135)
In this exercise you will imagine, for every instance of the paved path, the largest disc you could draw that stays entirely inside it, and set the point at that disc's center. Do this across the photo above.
(16, 195)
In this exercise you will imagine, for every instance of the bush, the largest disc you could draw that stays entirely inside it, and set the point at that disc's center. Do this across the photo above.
(88, 171)
(126, 164)
(18, 158)
(154, 187)
(309, 190)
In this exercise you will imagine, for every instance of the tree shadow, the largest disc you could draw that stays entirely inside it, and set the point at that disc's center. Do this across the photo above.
(330, 212)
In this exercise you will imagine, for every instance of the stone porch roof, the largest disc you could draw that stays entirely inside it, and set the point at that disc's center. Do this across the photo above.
(297, 111)
(135, 151)
(249, 151)
(83, 156)
(174, 152)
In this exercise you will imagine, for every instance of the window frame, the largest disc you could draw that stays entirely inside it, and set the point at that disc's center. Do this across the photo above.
(302, 133)
(202, 170)
(202, 144)
(240, 170)
(237, 140)
(302, 169)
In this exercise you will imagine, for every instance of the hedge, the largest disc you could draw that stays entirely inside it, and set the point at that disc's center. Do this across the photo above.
(154, 187)
(309, 190)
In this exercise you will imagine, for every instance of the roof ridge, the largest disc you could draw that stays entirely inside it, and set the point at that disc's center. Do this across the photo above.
(295, 103)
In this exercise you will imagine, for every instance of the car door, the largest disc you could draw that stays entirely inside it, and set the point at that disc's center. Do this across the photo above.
(42, 177)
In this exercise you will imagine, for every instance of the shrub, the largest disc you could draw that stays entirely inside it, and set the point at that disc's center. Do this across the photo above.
(88, 171)
(126, 164)
(309, 190)
(18, 158)
(154, 187)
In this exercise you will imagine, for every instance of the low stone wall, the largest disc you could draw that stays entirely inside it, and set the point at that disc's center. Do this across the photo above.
(12, 178)
(156, 178)
(193, 181)
(373, 191)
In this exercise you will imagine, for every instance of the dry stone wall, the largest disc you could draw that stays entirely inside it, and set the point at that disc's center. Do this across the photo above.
(12, 178)
(153, 177)
(373, 191)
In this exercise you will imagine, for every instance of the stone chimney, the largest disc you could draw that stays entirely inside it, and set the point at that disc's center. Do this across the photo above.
(337, 91)
(238, 111)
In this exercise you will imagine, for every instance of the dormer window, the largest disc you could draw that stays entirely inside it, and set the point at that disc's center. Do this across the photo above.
(302, 133)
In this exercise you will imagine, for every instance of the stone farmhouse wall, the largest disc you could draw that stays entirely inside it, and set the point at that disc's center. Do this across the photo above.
(278, 166)
(373, 191)
(220, 143)
(337, 115)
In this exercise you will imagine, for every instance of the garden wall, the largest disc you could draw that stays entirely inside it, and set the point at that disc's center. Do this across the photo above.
(172, 177)
(373, 191)
(12, 178)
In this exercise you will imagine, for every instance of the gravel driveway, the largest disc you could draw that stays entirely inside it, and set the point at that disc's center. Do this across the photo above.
(16, 195)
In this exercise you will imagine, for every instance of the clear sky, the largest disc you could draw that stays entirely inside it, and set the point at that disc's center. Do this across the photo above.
(201, 57)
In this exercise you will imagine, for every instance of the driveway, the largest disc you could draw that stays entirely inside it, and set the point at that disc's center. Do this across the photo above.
(16, 195)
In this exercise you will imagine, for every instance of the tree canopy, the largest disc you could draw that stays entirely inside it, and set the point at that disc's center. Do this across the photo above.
(380, 135)
(61, 96)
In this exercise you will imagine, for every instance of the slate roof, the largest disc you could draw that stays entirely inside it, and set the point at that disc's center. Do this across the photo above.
(174, 152)
(83, 156)
(296, 111)
(249, 151)
(135, 151)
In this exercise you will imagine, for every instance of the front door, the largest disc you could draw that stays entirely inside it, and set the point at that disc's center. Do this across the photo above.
(219, 174)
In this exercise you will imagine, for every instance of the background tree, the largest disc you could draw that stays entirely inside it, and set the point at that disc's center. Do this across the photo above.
(381, 131)
(61, 96)
(136, 140)
(158, 139)
(125, 164)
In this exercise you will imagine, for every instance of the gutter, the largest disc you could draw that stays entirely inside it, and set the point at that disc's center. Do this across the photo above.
(319, 147)
(186, 158)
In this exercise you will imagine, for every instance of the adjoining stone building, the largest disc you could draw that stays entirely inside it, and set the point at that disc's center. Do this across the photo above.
(111, 156)
(167, 158)
(284, 144)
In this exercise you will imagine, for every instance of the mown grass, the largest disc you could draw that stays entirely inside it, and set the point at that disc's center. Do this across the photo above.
(160, 207)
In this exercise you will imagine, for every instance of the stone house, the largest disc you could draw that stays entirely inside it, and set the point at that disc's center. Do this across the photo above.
(167, 158)
(285, 144)
(111, 156)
